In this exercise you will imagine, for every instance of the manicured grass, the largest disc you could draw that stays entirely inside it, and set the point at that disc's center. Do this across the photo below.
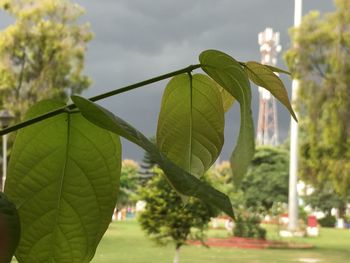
(125, 242)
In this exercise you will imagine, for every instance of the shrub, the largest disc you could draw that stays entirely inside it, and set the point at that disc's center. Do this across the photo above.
(248, 225)
(327, 221)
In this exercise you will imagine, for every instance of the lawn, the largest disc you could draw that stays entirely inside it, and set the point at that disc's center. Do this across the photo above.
(125, 242)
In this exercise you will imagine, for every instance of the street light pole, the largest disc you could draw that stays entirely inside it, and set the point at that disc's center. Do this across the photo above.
(293, 166)
(5, 118)
(4, 161)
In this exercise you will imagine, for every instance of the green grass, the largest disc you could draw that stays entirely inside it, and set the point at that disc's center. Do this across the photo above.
(125, 242)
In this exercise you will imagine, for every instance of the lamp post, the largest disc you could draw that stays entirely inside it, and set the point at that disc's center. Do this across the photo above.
(5, 118)
(293, 166)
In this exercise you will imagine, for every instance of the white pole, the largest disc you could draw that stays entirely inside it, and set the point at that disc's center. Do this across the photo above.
(4, 160)
(293, 167)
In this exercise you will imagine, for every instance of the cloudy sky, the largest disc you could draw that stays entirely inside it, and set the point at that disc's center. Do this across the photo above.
(136, 39)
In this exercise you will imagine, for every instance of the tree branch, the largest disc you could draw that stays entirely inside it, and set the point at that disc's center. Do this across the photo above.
(98, 97)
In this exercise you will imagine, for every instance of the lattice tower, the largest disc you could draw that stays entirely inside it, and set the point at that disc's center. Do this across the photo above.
(267, 130)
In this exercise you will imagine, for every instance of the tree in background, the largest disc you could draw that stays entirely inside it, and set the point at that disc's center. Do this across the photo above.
(128, 182)
(266, 182)
(167, 219)
(325, 198)
(264, 185)
(321, 61)
(42, 53)
(147, 165)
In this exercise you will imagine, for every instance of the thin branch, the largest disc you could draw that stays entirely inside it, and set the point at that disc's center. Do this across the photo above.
(21, 74)
(98, 97)
(318, 68)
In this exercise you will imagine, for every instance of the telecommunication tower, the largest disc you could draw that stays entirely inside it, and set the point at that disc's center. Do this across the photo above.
(267, 131)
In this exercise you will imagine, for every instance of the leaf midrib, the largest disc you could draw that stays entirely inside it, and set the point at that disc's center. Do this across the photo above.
(191, 123)
(59, 196)
(242, 100)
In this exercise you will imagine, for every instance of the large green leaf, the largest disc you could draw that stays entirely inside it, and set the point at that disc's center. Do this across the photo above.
(182, 181)
(63, 177)
(264, 77)
(191, 123)
(9, 229)
(229, 74)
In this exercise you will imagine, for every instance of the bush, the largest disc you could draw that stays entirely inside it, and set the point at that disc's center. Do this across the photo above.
(327, 221)
(166, 218)
(248, 225)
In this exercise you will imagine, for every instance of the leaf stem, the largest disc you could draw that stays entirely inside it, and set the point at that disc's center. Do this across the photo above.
(98, 97)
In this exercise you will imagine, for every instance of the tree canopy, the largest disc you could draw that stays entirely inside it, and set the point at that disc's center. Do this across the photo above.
(321, 61)
(266, 182)
(42, 53)
(325, 198)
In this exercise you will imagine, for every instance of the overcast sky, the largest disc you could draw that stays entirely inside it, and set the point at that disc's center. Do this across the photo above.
(135, 40)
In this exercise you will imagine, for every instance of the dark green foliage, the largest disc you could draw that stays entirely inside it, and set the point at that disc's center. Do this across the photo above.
(266, 182)
(248, 225)
(167, 219)
(325, 198)
(327, 221)
(147, 165)
(147, 162)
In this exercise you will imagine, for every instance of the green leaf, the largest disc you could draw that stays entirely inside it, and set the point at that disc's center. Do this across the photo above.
(183, 182)
(191, 123)
(278, 70)
(264, 77)
(10, 229)
(63, 177)
(274, 69)
(229, 74)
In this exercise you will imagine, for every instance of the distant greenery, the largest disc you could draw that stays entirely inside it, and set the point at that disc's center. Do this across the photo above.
(266, 182)
(325, 198)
